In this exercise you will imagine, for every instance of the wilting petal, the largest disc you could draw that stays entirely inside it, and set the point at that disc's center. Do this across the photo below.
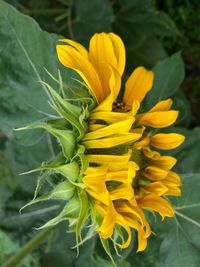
(167, 141)
(138, 85)
(158, 204)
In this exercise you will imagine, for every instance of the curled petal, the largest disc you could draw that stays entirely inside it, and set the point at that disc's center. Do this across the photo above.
(158, 204)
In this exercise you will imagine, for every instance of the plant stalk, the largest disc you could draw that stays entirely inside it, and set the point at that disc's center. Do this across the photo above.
(27, 248)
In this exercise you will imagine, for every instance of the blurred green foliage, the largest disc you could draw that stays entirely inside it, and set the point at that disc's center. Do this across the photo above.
(154, 32)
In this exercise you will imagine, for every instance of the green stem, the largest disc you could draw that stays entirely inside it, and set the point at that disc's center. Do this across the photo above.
(27, 248)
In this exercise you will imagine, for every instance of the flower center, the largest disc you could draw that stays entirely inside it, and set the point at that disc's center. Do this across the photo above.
(120, 107)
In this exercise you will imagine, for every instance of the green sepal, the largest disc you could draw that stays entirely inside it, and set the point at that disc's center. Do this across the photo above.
(71, 171)
(69, 212)
(63, 190)
(83, 214)
(80, 154)
(67, 107)
(71, 119)
(105, 244)
(65, 137)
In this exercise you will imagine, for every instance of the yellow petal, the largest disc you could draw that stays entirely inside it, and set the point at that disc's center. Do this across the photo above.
(150, 153)
(115, 128)
(135, 107)
(76, 45)
(97, 158)
(143, 143)
(119, 50)
(158, 119)
(94, 127)
(158, 204)
(156, 188)
(121, 221)
(94, 181)
(108, 48)
(120, 176)
(174, 191)
(167, 141)
(111, 83)
(172, 179)
(133, 214)
(101, 49)
(138, 85)
(112, 141)
(73, 59)
(154, 173)
(109, 215)
(162, 105)
(164, 162)
(123, 192)
(110, 117)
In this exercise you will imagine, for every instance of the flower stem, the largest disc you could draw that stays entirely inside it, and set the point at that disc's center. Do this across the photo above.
(27, 248)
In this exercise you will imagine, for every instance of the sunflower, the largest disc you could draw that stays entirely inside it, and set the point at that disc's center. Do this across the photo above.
(125, 174)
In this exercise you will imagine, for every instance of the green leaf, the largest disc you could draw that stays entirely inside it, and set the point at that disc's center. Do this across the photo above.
(182, 104)
(181, 246)
(89, 17)
(169, 75)
(135, 22)
(25, 51)
(148, 54)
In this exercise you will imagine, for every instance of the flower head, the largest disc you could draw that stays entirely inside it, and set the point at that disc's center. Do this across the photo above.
(125, 175)
(110, 150)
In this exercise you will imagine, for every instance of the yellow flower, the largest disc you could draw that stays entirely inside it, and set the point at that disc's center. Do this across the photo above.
(124, 175)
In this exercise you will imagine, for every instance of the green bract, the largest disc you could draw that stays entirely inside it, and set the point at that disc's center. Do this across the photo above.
(69, 126)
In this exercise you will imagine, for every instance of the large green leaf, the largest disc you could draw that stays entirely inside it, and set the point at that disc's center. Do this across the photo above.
(89, 17)
(136, 21)
(25, 50)
(181, 245)
(169, 75)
